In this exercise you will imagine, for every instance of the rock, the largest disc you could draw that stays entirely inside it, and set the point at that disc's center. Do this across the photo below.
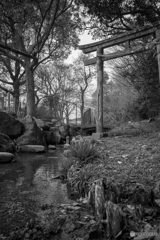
(32, 148)
(6, 157)
(66, 146)
(6, 144)
(33, 135)
(52, 137)
(48, 135)
(12, 114)
(67, 153)
(51, 147)
(63, 131)
(96, 136)
(57, 124)
(41, 124)
(10, 126)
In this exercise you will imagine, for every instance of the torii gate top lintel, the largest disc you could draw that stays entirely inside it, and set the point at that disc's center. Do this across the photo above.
(129, 36)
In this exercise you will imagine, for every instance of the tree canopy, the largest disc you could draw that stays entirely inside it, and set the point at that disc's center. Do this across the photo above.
(43, 29)
(117, 16)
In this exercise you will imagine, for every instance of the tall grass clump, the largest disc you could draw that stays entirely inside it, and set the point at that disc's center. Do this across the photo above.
(83, 151)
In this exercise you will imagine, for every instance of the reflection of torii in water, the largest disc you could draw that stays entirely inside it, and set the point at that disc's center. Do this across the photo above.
(100, 58)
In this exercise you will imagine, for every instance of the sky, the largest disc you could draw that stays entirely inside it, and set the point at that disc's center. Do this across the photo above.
(85, 38)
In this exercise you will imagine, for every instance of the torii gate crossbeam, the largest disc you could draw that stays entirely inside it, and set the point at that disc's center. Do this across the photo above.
(100, 58)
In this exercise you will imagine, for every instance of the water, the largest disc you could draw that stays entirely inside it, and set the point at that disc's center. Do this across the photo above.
(27, 185)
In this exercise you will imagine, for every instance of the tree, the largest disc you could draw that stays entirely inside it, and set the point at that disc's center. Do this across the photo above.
(43, 29)
(141, 72)
(82, 76)
(56, 90)
(110, 17)
(12, 78)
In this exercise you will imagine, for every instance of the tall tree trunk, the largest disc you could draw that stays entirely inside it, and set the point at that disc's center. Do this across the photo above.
(31, 107)
(82, 108)
(16, 95)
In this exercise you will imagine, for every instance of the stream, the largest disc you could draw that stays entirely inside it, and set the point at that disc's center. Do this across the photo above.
(27, 185)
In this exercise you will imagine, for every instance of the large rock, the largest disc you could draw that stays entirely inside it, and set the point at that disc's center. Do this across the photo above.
(10, 125)
(6, 157)
(6, 144)
(33, 135)
(63, 131)
(40, 123)
(32, 148)
(52, 137)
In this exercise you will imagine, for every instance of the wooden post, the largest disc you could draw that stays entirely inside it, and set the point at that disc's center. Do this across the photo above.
(1, 103)
(9, 100)
(99, 117)
(158, 50)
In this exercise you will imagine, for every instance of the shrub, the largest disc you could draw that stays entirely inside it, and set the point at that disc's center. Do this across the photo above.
(83, 151)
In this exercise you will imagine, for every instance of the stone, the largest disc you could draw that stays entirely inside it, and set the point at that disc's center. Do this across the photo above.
(51, 147)
(96, 136)
(48, 135)
(41, 124)
(6, 157)
(67, 153)
(31, 148)
(6, 144)
(33, 135)
(53, 136)
(64, 131)
(10, 125)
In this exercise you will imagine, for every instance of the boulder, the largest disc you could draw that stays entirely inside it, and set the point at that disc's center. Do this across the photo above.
(63, 132)
(32, 148)
(51, 147)
(11, 113)
(10, 125)
(52, 137)
(40, 123)
(6, 157)
(33, 135)
(6, 144)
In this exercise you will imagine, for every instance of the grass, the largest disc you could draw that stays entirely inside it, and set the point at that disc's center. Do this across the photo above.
(83, 151)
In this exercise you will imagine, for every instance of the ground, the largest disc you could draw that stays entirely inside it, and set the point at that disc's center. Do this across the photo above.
(129, 160)
(133, 155)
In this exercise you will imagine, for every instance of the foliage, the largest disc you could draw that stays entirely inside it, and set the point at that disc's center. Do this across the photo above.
(79, 180)
(108, 17)
(43, 30)
(83, 151)
(141, 74)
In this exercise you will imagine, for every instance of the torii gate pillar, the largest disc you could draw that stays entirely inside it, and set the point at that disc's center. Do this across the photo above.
(158, 50)
(99, 113)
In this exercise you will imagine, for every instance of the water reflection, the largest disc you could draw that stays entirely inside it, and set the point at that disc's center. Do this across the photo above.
(30, 183)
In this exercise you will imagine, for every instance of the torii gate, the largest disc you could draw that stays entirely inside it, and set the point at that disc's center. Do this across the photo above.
(100, 58)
